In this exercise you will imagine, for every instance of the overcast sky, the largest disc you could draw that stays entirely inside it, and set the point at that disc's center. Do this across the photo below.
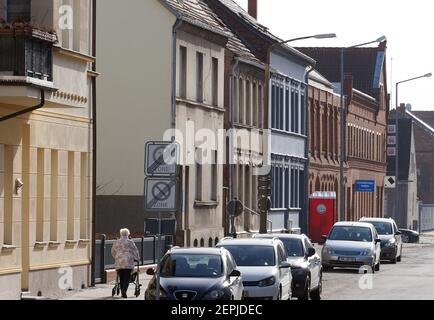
(408, 26)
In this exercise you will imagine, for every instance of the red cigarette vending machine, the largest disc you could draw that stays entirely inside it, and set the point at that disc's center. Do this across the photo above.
(322, 214)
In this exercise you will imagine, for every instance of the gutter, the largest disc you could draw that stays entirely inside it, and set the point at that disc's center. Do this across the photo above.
(306, 171)
(175, 28)
(28, 110)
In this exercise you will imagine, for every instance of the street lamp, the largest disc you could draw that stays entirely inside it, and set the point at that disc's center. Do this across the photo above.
(343, 112)
(428, 75)
(263, 217)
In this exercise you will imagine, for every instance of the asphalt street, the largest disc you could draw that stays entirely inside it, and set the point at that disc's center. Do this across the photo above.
(411, 279)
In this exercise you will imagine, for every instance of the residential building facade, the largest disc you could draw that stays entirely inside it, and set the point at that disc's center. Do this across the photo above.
(46, 151)
(179, 85)
(286, 116)
(367, 109)
(324, 136)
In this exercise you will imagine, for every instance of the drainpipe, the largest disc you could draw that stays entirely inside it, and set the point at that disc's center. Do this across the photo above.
(175, 28)
(94, 145)
(232, 95)
(28, 110)
(306, 171)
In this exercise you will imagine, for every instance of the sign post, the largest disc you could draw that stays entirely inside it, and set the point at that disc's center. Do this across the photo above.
(161, 187)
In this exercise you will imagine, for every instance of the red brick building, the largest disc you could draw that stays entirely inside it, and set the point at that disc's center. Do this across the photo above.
(424, 142)
(366, 127)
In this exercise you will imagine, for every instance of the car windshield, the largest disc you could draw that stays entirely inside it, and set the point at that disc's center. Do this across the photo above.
(349, 233)
(192, 266)
(383, 228)
(252, 256)
(294, 247)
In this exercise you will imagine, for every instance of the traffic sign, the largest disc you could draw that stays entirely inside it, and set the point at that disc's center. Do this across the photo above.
(161, 159)
(365, 186)
(161, 194)
(390, 182)
(235, 208)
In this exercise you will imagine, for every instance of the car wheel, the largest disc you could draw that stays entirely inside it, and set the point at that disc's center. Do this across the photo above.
(399, 259)
(377, 267)
(279, 296)
(316, 294)
(306, 292)
(394, 261)
(405, 238)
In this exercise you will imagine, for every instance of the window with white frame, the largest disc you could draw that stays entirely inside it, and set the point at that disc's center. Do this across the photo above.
(287, 186)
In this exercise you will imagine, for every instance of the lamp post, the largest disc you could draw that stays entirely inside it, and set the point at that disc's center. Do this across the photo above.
(428, 75)
(263, 217)
(343, 122)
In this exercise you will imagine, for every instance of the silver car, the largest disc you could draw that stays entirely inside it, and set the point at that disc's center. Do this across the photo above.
(264, 268)
(352, 245)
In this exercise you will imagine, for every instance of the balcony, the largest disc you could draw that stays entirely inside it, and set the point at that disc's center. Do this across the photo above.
(26, 63)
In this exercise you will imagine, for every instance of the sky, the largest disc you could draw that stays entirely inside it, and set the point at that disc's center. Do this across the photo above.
(406, 24)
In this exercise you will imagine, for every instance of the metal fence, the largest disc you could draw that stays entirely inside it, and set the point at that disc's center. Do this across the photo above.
(426, 218)
(147, 248)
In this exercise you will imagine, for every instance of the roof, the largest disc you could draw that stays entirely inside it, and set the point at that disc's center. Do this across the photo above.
(210, 251)
(423, 119)
(198, 13)
(195, 12)
(280, 236)
(251, 23)
(376, 220)
(247, 242)
(353, 224)
(365, 65)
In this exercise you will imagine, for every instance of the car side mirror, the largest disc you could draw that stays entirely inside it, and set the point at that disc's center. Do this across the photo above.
(377, 241)
(150, 272)
(285, 265)
(235, 274)
(398, 233)
(310, 252)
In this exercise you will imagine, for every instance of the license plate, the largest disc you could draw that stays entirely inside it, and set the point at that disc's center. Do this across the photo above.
(345, 259)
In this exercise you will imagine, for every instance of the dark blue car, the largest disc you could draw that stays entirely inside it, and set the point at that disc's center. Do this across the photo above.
(197, 274)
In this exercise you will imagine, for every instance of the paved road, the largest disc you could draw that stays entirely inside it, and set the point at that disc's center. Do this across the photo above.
(412, 279)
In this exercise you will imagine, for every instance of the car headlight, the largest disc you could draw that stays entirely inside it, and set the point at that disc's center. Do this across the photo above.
(368, 252)
(267, 282)
(328, 251)
(215, 295)
(391, 243)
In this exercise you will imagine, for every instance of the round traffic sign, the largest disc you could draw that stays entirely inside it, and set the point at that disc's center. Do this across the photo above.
(235, 208)
(161, 191)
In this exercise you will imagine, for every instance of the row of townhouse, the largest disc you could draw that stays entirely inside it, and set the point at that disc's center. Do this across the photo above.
(206, 70)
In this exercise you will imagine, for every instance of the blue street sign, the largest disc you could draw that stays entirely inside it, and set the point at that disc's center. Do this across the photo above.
(365, 186)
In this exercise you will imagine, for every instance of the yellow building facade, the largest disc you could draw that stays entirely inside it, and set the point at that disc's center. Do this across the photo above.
(45, 155)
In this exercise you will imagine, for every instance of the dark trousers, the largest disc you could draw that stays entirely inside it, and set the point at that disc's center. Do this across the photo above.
(124, 277)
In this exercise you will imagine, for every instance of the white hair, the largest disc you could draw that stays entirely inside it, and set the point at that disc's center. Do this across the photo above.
(125, 233)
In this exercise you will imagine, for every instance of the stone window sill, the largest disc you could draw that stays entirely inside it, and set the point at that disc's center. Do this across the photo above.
(206, 204)
(7, 248)
(71, 242)
(53, 244)
(84, 241)
(40, 244)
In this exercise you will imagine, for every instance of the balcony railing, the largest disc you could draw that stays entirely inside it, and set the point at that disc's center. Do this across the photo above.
(26, 52)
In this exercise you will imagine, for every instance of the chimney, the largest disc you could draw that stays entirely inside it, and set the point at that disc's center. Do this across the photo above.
(253, 8)
(402, 109)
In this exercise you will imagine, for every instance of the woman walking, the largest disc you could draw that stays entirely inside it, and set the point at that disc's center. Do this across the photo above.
(125, 253)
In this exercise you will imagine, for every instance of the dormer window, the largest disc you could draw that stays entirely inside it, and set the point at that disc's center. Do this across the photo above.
(18, 10)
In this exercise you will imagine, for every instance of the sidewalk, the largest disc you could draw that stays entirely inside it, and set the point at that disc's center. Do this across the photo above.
(104, 291)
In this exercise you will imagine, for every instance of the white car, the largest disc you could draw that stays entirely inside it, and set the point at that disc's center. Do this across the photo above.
(264, 268)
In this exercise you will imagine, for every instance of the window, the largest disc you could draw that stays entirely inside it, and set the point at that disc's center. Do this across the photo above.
(214, 177)
(199, 77)
(215, 81)
(71, 186)
(241, 104)
(287, 110)
(183, 72)
(303, 114)
(199, 174)
(255, 105)
(40, 179)
(273, 106)
(260, 107)
(281, 110)
(7, 161)
(293, 106)
(54, 192)
(83, 197)
(18, 10)
(248, 103)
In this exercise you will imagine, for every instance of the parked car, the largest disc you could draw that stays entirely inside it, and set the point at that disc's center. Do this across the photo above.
(264, 267)
(197, 274)
(410, 236)
(352, 245)
(305, 263)
(391, 241)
